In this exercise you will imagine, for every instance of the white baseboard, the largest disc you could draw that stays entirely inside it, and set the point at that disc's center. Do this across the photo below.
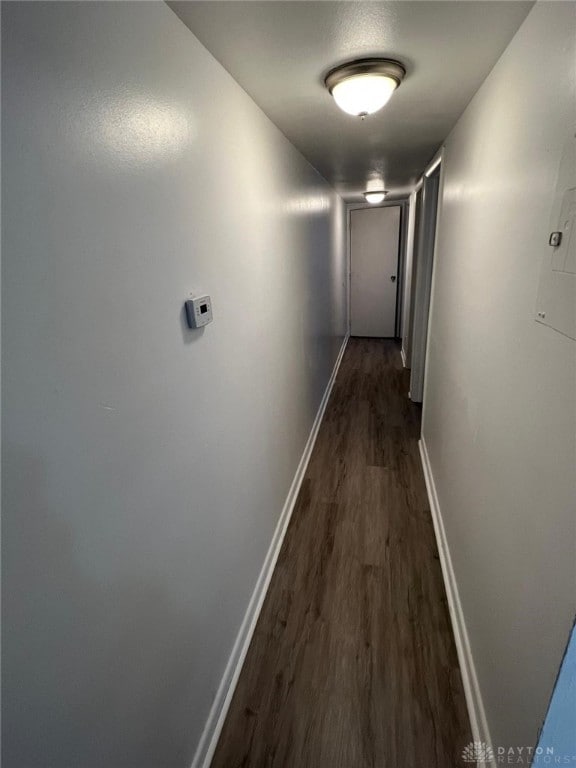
(403, 354)
(221, 704)
(476, 713)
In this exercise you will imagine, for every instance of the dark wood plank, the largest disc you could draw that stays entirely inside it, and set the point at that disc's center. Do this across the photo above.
(353, 663)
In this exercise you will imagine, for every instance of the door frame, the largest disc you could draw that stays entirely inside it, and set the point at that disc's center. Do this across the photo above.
(400, 266)
(410, 283)
(423, 275)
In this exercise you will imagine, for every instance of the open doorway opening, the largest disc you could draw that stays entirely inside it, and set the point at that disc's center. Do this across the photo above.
(422, 267)
(409, 321)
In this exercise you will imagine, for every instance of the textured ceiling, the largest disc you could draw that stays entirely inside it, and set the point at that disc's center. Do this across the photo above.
(280, 51)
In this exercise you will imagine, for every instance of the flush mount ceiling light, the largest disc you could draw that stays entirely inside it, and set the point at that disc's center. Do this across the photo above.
(364, 86)
(375, 196)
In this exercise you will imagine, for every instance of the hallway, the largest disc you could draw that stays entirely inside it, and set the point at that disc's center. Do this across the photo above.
(353, 662)
(232, 536)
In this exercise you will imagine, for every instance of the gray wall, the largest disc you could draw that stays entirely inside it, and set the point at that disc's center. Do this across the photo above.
(500, 399)
(145, 466)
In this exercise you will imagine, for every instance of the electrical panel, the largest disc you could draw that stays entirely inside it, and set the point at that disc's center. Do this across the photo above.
(556, 305)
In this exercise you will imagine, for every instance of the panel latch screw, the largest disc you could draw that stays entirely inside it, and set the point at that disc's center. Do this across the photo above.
(555, 239)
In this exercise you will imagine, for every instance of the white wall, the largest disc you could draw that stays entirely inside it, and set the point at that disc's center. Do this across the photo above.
(145, 465)
(500, 401)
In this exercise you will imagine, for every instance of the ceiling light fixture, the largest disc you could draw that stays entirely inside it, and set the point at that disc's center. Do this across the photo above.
(364, 86)
(375, 196)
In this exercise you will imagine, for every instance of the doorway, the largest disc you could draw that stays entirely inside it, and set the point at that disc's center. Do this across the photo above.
(374, 253)
(423, 262)
(409, 325)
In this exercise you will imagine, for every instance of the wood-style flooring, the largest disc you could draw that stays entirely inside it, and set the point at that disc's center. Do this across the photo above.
(353, 663)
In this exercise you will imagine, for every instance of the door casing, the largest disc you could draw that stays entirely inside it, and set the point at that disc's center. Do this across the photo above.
(423, 263)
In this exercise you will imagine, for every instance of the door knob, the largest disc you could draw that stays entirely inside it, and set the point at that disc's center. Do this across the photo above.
(393, 278)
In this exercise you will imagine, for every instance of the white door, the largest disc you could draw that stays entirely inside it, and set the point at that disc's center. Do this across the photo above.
(374, 238)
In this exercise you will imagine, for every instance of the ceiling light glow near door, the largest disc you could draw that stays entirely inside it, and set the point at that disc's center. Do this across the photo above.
(375, 197)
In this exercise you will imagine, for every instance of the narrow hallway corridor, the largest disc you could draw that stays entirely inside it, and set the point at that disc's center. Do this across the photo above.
(353, 663)
(229, 537)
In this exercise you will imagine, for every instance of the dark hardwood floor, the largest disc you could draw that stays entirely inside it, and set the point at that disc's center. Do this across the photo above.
(353, 663)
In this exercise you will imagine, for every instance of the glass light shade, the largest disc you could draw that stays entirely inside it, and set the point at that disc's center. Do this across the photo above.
(363, 94)
(374, 197)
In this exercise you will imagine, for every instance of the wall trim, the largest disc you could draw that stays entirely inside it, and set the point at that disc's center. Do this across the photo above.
(474, 703)
(219, 710)
(403, 356)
